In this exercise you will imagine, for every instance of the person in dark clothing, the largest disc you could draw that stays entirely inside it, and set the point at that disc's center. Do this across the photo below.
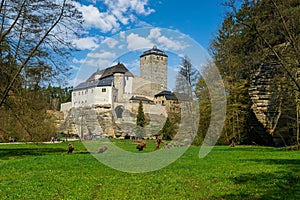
(70, 148)
(233, 142)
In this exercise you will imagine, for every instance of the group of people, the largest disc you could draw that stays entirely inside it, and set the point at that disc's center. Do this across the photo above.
(142, 144)
(53, 139)
(11, 139)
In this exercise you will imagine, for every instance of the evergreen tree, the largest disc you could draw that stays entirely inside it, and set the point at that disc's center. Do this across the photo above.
(140, 120)
(168, 130)
(187, 77)
(203, 97)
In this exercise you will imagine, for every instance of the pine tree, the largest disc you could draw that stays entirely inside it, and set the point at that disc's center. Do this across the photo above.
(140, 120)
(187, 77)
(168, 130)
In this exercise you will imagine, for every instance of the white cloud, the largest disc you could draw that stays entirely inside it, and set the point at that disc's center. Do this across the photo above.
(122, 35)
(75, 67)
(99, 59)
(102, 55)
(118, 12)
(135, 42)
(96, 63)
(111, 42)
(76, 61)
(93, 18)
(137, 6)
(154, 33)
(121, 46)
(89, 43)
(140, 7)
(170, 44)
(95, 60)
(165, 42)
(102, 63)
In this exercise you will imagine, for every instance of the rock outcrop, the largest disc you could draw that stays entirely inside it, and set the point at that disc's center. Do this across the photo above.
(105, 121)
(265, 95)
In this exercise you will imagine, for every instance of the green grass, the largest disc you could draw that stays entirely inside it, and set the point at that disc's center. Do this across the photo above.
(45, 171)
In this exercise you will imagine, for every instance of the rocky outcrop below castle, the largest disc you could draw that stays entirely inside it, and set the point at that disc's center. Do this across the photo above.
(88, 122)
(107, 121)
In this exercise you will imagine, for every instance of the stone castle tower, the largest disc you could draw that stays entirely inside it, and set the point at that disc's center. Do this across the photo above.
(154, 67)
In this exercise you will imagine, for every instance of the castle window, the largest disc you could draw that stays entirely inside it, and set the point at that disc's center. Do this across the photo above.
(162, 58)
(103, 89)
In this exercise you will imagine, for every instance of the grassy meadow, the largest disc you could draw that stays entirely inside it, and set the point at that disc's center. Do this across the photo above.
(45, 171)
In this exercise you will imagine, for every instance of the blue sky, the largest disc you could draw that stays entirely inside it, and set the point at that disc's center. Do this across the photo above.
(115, 27)
(199, 19)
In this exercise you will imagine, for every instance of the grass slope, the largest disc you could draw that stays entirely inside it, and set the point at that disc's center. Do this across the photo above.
(45, 171)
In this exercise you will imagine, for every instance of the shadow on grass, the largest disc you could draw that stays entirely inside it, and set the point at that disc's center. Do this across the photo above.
(6, 154)
(251, 149)
(282, 184)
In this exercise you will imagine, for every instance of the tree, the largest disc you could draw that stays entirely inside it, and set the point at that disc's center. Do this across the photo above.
(233, 51)
(202, 94)
(140, 119)
(35, 43)
(168, 130)
(34, 36)
(187, 77)
(260, 33)
(57, 95)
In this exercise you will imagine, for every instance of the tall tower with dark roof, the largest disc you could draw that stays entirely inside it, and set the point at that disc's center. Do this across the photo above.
(154, 66)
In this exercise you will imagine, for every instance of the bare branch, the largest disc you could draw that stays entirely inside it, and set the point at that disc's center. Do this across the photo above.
(8, 88)
(1, 6)
(291, 38)
(2, 36)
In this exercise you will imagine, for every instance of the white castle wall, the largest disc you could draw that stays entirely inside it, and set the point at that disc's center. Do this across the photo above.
(93, 96)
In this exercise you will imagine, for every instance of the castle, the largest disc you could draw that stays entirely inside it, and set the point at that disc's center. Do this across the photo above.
(118, 84)
(108, 100)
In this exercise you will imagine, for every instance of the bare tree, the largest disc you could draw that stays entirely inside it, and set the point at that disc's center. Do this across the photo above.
(35, 42)
(36, 33)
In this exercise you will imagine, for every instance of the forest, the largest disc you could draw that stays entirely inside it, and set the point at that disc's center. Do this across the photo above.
(257, 53)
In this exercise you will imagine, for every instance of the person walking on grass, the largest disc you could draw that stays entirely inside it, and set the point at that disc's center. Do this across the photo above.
(158, 142)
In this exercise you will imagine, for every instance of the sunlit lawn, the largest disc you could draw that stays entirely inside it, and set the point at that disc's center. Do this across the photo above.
(45, 171)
